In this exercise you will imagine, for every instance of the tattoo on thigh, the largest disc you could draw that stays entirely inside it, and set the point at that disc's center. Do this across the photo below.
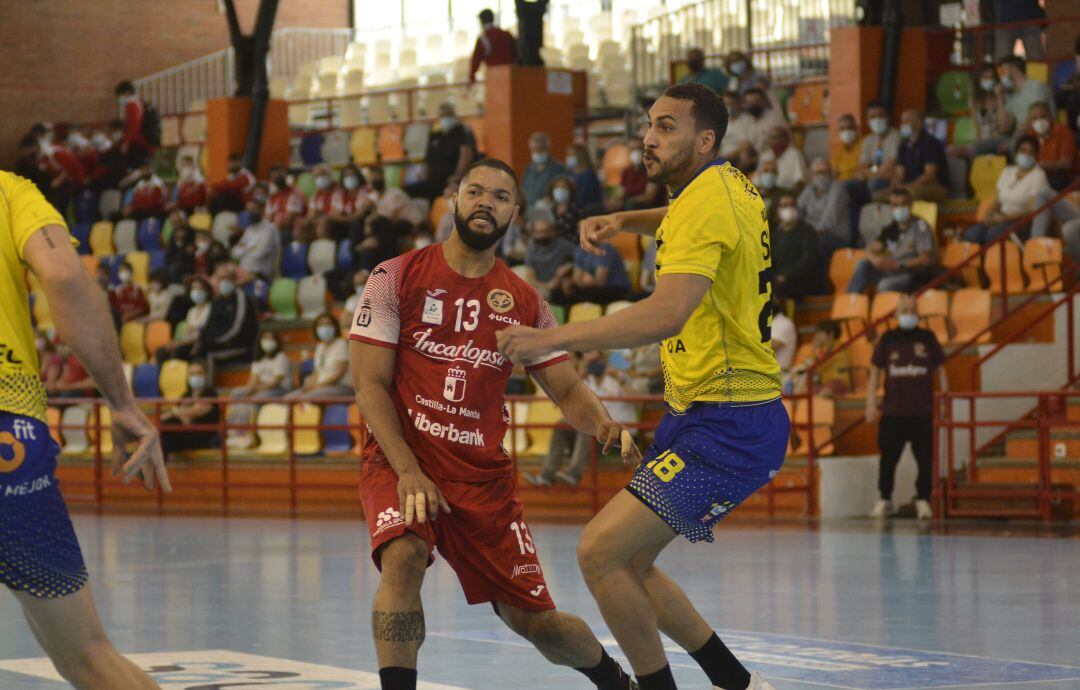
(397, 626)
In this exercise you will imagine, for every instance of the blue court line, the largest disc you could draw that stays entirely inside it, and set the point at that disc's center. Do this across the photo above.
(844, 665)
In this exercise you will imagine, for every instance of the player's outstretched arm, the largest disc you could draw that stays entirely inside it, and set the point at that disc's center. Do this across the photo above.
(83, 321)
(373, 374)
(583, 410)
(598, 229)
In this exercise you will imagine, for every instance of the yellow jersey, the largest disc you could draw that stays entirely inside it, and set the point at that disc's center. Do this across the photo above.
(23, 211)
(715, 227)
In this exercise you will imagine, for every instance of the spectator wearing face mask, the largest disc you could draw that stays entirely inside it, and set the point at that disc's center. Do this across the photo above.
(451, 147)
(194, 409)
(992, 121)
(68, 377)
(844, 155)
(350, 203)
(1022, 92)
(160, 294)
(1057, 146)
(134, 146)
(764, 119)
(111, 164)
(232, 329)
(65, 173)
(204, 244)
(271, 377)
(635, 191)
(285, 204)
(331, 376)
(583, 173)
(747, 78)
(921, 165)
(561, 200)
(259, 248)
(127, 298)
(549, 257)
(1017, 193)
(878, 152)
(715, 79)
(190, 192)
(600, 279)
(542, 171)
(359, 282)
(148, 197)
(231, 193)
(791, 168)
(320, 204)
(736, 146)
(824, 204)
(199, 293)
(767, 182)
(903, 257)
(796, 262)
(907, 358)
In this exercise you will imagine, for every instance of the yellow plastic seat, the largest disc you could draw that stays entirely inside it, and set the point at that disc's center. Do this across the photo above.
(985, 171)
(133, 342)
(585, 311)
(541, 412)
(173, 379)
(270, 425)
(306, 437)
(101, 239)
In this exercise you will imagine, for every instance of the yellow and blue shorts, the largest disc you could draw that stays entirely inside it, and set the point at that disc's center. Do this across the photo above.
(39, 553)
(706, 461)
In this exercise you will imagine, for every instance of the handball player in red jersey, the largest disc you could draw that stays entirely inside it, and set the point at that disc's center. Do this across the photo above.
(430, 382)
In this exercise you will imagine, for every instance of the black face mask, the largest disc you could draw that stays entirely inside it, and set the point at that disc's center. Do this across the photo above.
(756, 110)
(696, 65)
(545, 241)
(281, 183)
(378, 184)
(473, 239)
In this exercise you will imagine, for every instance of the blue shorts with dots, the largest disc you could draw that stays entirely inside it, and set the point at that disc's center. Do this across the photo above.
(708, 460)
(39, 553)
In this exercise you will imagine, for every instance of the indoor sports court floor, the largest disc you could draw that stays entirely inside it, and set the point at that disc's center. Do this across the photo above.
(251, 604)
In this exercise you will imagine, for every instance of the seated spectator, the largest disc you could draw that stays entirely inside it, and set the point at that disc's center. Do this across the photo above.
(646, 372)
(1023, 92)
(587, 185)
(232, 328)
(134, 145)
(715, 79)
(824, 205)
(286, 202)
(791, 169)
(785, 340)
(542, 171)
(271, 377)
(149, 195)
(746, 78)
(796, 262)
(844, 155)
(921, 165)
(232, 193)
(605, 383)
(634, 190)
(1057, 146)
(903, 257)
(65, 172)
(160, 293)
(331, 377)
(1015, 195)
(394, 219)
(111, 165)
(764, 118)
(84, 151)
(190, 192)
(259, 249)
(736, 146)
(359, 282)
(877, 154)
(194, 409)
(513, 245)
(28, 163)
(451, 147)
(127, 298)
(992, 121)
(199, 292)
(70, 378)
(831, 377)
(599, 279)
(766, 181)
(350, 204)
(561, 200)
(202, 244)
(549, 257)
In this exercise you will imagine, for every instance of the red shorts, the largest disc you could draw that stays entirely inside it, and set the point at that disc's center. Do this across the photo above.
(484, 538)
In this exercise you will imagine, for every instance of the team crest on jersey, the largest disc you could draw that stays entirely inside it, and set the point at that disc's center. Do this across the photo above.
(920, 350)
(433, 313)
(500, 300)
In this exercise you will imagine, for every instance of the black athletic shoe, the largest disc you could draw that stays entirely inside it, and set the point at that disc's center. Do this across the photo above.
(624, 682)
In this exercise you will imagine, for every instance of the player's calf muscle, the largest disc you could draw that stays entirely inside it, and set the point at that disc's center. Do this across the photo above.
(398, 626)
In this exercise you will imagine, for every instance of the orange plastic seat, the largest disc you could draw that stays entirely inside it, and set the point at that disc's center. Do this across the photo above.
(955, 254)
(158, 334)
(1043, 258)
(1014, 275)
(885, 305)
(824, 417)
(849, 309)
(934, 310)
(970, 314)
(842, 267)
(616, 158)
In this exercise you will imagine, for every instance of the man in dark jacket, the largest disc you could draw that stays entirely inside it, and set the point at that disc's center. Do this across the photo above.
(530, 15)
(233, 325)
(795, 251)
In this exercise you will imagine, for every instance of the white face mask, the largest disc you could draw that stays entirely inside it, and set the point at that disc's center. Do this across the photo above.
(187, 172)
(901, 214)
(226, 287)
(1007, 82)
(906, 131)
(788, 214)
(908, 321)
(351, 182)
(561, 195)
(447, 123)
(539, 158)
(125, 276)
(738, 68)
(1041, 126)
(325, 332)
(848, 136)
(1025, 161)
(196, 383)
(198, 296)
(635, 157)
(987, 84)
(767, 180)
(322, 182)
(571, 162)
(269, 346)
(879, 125)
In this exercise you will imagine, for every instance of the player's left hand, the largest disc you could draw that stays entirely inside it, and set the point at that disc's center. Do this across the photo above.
(611, 433)
(521, 343)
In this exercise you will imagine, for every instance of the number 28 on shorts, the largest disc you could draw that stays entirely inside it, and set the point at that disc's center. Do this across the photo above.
(666, 466)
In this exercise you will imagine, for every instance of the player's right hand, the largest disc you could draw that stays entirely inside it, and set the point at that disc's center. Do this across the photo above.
(420, 497)
(130, 426)
(597, 229)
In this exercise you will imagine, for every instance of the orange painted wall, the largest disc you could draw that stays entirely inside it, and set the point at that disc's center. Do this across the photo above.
(226, 131)
(517, 104)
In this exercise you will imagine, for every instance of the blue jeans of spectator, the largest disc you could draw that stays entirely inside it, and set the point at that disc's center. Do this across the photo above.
(1063, 211)
(866, 275)
(985, 233)
(991, 146)
(876, 184)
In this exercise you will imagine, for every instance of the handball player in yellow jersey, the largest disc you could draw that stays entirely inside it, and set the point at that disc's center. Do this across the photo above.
(40, 559)
(726, 431)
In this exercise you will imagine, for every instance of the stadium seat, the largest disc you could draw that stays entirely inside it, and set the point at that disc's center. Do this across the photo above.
(157, 259)
(584, 311)
(842, 267)
(87, 205)
(306, 437)
(109, 203)
(1042, 262)
(125, 236)
(73, 423)
(113, 264)
(559, 312)
(616, 159)
(158, 333)
(344, 255)
(985, 171)
(824, 417)
(516, 439)
(964, 131)
(104, 426)
(294, 260)
(439, 207)
(927, 210)
(321, 256)
(336, 440)
(311, 296)
(283, 298)
(955, 254)
(133, 342)
(958, 177)
(1014, 276)
(884, 304)
(860, 355)
(144, 381)
(270, 424)
(541, 412)
(305, 181)
(81, 232)
(91, 264)
(970, 314)
(150, 234)
(200, 221)
(307, 366)
(101, 238)
(954, 91)
(222, 225)
(628, 245)
(934, 312)
(140, 267)
(173, 380)
(362, 145)
(849, 308)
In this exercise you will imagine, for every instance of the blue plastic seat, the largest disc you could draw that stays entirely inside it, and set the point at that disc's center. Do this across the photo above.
(294, 261)
(145, 381)
(157, 259)
(86, 206)
(150, 234)
(336, 440)
(81, 232)
(307, 367)
(344, 255)
(113, 263)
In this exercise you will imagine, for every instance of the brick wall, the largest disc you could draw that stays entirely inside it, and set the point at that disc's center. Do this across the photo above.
(62, 58)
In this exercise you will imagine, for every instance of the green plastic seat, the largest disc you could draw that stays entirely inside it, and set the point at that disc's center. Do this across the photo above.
(559, 312)
(954, 91)
(305, 182)
(283, 298)
(964, 132)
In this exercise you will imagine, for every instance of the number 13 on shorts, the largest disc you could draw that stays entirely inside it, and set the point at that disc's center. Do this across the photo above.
(524, 539)
(666, 465)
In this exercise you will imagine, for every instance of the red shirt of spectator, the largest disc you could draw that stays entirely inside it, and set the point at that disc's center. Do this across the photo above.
(283, 203)
(494, 46)
(129, 301)
(134, 113)
(60, 160)
(322, 200)
(345, 203)
(148, 197)
(190, 194)
(1059, 143)
(238, 184)
(74, 372)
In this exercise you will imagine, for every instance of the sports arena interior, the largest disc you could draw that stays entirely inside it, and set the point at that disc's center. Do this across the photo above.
(233, 215)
